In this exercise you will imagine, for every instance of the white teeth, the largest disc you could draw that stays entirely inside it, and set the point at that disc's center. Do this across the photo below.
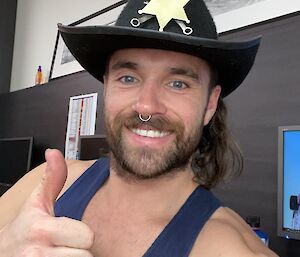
(149, 133)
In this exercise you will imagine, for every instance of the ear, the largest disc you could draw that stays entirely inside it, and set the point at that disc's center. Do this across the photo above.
(212, 104)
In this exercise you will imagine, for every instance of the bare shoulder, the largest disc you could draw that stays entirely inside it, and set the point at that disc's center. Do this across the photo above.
(226, 234)
(14, 198)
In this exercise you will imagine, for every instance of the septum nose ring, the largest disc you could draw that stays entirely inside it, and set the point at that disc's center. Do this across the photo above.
(143, 119)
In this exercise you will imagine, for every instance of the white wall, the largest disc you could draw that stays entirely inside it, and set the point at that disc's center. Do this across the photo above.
(36, 28)
(35, 35)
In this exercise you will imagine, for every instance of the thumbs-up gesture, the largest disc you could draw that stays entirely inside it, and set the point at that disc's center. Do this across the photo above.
(35, 232)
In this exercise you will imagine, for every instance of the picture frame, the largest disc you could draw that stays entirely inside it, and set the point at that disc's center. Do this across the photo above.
(227, 18)
(253, 12)
(63, 63)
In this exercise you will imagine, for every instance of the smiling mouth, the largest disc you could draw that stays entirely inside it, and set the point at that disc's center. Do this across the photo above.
(150, 133)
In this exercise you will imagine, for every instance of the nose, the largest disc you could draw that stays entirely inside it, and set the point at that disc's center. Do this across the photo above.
(149, 101)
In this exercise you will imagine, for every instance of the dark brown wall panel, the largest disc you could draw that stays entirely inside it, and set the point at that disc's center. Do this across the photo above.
(41, 111)
(8, 9)
(268, 98)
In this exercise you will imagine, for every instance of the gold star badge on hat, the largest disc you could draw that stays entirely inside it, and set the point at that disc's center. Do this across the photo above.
(166, 10)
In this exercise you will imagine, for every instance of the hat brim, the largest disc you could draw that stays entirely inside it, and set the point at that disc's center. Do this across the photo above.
(92, 45)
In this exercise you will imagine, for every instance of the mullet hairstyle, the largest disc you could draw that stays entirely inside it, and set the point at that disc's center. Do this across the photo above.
(218, 156)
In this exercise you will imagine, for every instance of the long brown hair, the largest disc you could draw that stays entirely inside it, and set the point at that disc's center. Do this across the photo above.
(218, 157)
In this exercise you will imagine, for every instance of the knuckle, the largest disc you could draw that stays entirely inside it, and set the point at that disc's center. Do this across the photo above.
(32, 251)
(38, 232)
(84, 232)
(90, 238)
(87, 239)
(62, 219)
(89, 255)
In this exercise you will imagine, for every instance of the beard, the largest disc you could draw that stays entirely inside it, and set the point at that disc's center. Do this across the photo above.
(143, 163)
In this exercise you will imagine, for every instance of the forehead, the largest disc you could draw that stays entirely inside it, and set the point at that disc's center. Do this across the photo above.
(142, 56)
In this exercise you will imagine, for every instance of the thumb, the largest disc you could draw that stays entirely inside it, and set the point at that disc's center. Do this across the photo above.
(52, 182)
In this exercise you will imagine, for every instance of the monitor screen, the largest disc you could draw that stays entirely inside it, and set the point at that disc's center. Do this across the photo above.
(92, 147)
(289, 182)
(15, 158)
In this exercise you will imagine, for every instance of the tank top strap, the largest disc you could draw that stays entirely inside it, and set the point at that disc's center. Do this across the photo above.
(178, 237)
(75, 200)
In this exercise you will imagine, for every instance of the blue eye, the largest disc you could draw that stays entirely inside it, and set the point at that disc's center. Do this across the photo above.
(127, 79)
(178, 84)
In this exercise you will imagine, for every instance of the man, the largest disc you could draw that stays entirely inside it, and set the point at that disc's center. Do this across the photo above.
(165, 74)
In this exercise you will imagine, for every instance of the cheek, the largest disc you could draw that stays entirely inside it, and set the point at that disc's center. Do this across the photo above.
(194, 107)
(113, 101)
(191, 115)
(114, 105)
(116, 98)
(110, 109)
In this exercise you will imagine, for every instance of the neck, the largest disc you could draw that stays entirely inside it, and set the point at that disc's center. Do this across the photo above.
(163, 195)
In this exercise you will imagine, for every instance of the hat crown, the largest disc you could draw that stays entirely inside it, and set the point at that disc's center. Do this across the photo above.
(186, 17)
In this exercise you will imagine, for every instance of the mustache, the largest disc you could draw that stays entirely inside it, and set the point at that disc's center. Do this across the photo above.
(157, 122)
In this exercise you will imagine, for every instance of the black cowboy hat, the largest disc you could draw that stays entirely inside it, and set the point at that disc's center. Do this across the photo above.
(176, 25)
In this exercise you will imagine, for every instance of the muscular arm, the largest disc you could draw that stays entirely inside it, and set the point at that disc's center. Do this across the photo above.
(14, 198)
(28, 227)
(227, 235)
(12, 201)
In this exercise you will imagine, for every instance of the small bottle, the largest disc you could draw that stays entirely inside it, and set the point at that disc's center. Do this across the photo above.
(39, 76)
(254, 223)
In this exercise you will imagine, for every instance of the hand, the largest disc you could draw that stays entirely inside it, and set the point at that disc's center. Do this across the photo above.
(35, 232)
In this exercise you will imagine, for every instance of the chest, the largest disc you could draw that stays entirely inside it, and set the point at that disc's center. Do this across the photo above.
(121, 235)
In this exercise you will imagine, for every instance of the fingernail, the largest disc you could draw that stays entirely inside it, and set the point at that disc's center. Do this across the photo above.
(48, 150)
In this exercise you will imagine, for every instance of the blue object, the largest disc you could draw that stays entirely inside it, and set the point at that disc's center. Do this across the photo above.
(263, 236)
(178, 237)
(254, 223)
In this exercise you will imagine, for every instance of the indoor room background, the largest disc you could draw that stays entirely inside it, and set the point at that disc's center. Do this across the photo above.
(268, 98)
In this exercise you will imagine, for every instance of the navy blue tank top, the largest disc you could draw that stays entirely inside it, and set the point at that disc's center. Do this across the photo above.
(177, 238)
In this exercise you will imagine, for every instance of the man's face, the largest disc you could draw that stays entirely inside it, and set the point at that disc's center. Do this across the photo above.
(171, 87)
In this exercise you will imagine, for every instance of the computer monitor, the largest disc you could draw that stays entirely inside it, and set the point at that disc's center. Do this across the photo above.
(15, 158)
(92, 147)
(288, 224)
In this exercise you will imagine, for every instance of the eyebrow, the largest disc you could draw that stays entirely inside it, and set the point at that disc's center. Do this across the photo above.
(124, 64)
(185, 72)
(174, 71)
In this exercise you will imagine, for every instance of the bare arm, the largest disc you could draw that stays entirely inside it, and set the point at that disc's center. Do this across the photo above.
(28, 227)
(12, 201)
(227, 235)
